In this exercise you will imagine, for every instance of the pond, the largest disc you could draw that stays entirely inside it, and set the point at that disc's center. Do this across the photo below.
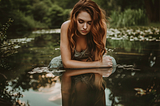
(134, 83)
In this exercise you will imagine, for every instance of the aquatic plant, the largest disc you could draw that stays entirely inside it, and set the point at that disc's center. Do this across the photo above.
(4, 43)
(134, 34)
(3, 36)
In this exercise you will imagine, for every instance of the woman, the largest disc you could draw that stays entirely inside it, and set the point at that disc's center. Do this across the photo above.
(82, 45)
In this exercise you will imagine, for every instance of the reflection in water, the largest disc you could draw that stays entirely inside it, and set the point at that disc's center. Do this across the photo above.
(8, 97)
(138, 53)
(78, 95)
(152, 60)
(89, 91)
(38, 89)
(142, 87)
(84, 88)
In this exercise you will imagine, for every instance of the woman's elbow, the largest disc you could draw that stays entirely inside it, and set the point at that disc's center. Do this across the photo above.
(66, 64)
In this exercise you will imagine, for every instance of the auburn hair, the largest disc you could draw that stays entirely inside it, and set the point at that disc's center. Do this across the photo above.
(95, 36)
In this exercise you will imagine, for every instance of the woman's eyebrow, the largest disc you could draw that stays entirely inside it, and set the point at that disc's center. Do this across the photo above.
(80, 19)
(84, 20)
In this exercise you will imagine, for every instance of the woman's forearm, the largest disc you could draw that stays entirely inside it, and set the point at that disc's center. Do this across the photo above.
(106, 62)
(81, 64)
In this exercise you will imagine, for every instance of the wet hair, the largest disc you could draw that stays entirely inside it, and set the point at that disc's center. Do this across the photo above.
(96, 34)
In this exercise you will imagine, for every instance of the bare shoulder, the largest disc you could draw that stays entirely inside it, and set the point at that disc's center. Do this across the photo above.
(65, 25)
(64, 30)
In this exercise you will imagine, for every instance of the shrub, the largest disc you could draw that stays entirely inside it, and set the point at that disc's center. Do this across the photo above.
(54, 18)
(128, 18)
(40, 10)
(23, 22)
(3, 36)
(66, 14)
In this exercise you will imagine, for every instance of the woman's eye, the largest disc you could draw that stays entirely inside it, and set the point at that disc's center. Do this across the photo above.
(89, 23)
(80, 21)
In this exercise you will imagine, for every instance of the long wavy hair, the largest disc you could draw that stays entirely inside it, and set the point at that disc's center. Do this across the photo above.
(95, 36)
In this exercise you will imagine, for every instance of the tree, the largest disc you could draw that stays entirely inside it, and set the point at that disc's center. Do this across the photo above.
(40, 10)
(54, 17)
(66, 4)
(151, 7)
(153, 10)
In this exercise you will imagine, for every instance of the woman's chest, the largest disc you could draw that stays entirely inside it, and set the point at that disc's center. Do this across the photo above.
(81, 45)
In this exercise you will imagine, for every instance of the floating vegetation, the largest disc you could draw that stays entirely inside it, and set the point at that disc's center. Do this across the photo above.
(134, 34)
(10, 46)
(16, 42)
(49, 31)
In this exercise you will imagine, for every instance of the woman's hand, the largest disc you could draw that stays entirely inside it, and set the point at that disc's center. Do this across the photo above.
(106, 61)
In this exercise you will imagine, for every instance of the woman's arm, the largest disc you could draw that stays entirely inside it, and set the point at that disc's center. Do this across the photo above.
(106, 72)
(66, 53)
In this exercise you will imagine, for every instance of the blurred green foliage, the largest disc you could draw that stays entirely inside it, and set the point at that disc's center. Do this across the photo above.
(54, 17)
(3, 36)
(33, 14)
(128, 18)
(6, 48)
(119, 5)
(41, 14)
(24, 23)
(65, 4)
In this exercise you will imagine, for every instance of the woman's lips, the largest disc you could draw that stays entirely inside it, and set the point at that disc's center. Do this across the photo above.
(83, 31)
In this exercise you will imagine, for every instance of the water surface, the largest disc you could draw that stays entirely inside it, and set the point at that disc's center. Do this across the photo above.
(134, 83)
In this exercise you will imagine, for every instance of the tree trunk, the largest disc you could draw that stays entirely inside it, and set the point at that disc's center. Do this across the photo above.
(153, 10)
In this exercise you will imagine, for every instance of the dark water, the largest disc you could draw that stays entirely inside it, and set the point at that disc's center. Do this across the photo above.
(135, 82)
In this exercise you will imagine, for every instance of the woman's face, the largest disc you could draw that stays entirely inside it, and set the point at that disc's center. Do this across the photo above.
(84, 22)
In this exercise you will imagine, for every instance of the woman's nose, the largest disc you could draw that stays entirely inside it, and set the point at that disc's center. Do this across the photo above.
(85, 26)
